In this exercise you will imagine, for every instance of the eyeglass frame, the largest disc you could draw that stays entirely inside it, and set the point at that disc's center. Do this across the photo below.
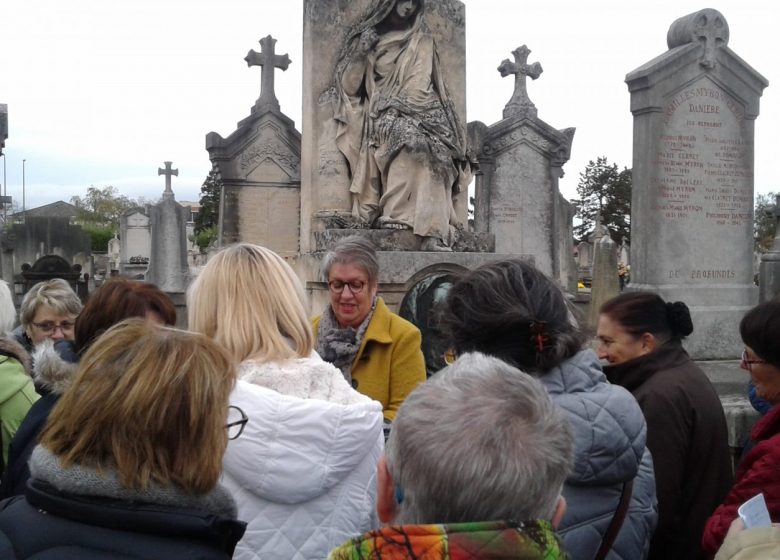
(241, 423)
(352, 290)
(748, 364)
(54, 326)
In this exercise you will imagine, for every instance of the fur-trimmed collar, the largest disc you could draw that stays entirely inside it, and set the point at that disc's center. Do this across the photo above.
(9, 347)
(50, 370)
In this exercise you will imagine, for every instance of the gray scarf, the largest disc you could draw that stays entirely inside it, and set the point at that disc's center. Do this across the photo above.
(86, 481)
(339, 346)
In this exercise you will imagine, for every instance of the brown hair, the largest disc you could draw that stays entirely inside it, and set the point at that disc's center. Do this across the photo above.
(150, 402)
(117, 299)
(646, 312)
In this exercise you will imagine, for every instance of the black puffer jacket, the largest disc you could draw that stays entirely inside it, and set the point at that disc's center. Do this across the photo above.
(47, 524)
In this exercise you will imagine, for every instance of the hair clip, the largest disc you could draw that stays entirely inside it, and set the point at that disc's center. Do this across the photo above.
(538, 335)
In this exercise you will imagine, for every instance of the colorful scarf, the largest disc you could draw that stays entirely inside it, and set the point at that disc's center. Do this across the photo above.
(488, 540)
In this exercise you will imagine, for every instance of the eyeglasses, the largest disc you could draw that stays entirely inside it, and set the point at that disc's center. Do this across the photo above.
(355, 286)
(747, 363)
(237, 420)
(49, 327)
(449, 357)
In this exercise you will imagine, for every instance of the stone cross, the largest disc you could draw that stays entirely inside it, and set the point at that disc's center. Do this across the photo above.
(268, 61)
(520, 103)
(706, 27)
(168, 172)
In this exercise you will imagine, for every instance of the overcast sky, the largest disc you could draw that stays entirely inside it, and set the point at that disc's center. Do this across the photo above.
(102, 92)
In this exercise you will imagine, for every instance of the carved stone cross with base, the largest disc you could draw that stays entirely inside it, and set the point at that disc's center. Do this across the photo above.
(268, 61)
(520, 103)
(168, 172)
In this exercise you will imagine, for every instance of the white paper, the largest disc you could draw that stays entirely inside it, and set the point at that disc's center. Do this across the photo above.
(754, 513)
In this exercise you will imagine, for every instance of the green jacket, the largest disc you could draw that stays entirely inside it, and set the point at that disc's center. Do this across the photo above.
(487, 540)
(17, 391)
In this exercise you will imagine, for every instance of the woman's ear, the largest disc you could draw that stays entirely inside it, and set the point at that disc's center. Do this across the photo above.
(560, 511)
(649, 343)
(386, 506)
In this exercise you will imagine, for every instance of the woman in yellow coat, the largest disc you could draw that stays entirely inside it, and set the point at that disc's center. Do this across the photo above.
(377, 351)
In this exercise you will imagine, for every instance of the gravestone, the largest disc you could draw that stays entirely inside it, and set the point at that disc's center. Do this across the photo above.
(38, 236)
(694, 110)
(168, 268)
(114, 253)
(605, 281)
(521, 159)
(260, 167)
(769, 269)
(135, 232)
(49, 267)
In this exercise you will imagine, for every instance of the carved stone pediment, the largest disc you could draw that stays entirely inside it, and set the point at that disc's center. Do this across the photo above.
(267, 145)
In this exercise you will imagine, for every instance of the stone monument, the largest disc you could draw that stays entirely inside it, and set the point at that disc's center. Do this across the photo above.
(605, 281)
(168, 267)
(135, 236)
(114, 253)
(416, 177)
(694, 110)
(521, 159)
(769, 269)
(260, 166)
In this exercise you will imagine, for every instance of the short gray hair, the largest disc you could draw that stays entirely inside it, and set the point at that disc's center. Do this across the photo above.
(479, 441)
(355, 250)
(55, 293)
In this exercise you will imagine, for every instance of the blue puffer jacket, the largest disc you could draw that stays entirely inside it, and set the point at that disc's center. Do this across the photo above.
(609, 435)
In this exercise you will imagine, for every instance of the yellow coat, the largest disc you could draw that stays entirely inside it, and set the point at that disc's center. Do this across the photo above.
(389, 363)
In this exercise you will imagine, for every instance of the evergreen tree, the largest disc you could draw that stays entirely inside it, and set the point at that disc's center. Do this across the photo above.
(604, 189)
(207, 220)
(764, 222)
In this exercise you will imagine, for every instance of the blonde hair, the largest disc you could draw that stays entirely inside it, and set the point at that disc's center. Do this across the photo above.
(250, 301)
(7, 309)
(56, 293)
(150, 402)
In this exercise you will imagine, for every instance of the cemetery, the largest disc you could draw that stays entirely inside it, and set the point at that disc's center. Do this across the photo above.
(402, 174)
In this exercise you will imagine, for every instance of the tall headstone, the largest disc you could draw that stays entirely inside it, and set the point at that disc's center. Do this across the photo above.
(769, 269)
(605, 282)
(114, 253)
(521, 161)
(694, 110)
(168, 267)
(135, 249)
(260, 167)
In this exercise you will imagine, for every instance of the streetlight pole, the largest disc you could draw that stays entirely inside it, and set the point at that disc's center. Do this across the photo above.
(23, 190)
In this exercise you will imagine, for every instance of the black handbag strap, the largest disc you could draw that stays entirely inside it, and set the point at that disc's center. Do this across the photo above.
(617, 521)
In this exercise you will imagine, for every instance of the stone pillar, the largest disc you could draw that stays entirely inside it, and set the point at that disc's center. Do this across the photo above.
(605, 284)
(168, 268)
(694, 112)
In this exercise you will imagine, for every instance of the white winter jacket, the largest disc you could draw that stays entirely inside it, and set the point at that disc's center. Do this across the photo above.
(303, 471)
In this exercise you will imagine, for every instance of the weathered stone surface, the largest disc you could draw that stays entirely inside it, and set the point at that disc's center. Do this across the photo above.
(135, 232)
(325, 179)
(260, 168)
(521, 160)
(604, 284)
(399, 271)
(694, 111)
(168, 268)
(405, 240)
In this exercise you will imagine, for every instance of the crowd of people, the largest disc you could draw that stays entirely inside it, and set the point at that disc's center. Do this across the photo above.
(263, 433)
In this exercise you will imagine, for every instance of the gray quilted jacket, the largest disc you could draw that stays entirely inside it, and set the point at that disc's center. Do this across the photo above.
(609, 433)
